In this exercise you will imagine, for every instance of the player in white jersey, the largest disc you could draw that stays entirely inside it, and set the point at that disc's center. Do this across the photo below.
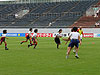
(57, 38)
(80, 31)
(75, 40)
(3, 37)
(28, 36)
(34, 39)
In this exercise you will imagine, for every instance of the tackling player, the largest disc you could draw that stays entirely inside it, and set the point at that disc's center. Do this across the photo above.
(75, 40)
(81, 35)
(3, 37)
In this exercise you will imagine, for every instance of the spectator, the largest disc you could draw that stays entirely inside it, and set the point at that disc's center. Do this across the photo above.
(97, 13)
(97, 24)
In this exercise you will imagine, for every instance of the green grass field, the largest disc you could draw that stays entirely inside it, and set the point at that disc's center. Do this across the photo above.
(47, 60)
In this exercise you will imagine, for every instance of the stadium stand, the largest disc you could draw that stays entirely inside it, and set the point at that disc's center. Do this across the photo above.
(88, 21)
(59, 14)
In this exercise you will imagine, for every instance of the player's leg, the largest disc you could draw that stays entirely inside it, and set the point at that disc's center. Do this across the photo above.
(31, 44)
(57, 46)
(30, 41)
(5, 45)
(70, 46)
(74, 51)
(57, 40)
(68, 52)
(35, 43)
(76, 55)
(1, 40)
(24, 41)
(77, 48)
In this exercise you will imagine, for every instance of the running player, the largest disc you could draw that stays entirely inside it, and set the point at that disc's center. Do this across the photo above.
(81, 35)
(57, 38)
(75, 40)
(28, 37)
(3, 37)
(34, 39)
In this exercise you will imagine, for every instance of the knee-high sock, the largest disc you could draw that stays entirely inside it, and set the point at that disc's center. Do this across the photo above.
(5, 45)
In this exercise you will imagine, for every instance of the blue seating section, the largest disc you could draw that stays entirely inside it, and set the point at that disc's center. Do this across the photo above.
(41, 14)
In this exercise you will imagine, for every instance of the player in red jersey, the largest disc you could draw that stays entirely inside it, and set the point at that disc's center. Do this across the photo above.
(28, 37)
(34, 39)
(3, 37)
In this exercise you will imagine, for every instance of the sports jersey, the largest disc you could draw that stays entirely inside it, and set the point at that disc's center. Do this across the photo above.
(74, 35)
(3, 35)
(34, 35)
(80, 32)
(29, 33)
(3, 38)
(74, 39)
(59, 35)
(57, 39)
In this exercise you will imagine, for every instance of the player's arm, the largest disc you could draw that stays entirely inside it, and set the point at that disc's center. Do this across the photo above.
(67, 40)
(60, 36)
(68, 37)
(6, 37)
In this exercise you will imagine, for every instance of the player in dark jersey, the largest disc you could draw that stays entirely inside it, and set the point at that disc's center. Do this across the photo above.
(2, 39)
(57, 38)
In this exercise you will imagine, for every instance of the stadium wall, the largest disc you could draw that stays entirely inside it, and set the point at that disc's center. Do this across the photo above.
(50, 32)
